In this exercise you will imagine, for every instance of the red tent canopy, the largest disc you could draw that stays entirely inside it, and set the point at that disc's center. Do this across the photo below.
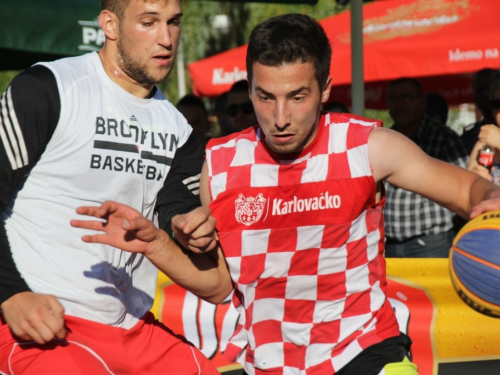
(440, 42)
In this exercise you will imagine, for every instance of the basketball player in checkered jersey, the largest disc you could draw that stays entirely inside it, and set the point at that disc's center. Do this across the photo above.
(298, 205)
(82, 130)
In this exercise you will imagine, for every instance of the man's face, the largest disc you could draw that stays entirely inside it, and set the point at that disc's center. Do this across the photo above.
(406, 104)
(240, 111)
(287, 102)
(148, 39)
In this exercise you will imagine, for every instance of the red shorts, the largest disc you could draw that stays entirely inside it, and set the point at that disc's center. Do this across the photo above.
(94, 348)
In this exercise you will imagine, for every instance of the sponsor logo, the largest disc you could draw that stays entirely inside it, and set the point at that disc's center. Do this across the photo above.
(324, 202)
(220, 77)
(249, 209)
(92, 36)
(417, 17)
(472, 55)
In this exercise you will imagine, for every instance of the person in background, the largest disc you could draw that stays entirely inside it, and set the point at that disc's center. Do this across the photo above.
(335, 107)
(223, 119)
(299, 207)
(489, 134)
(89, 129)
(195, 112)
(481, 82)
(239, 109)
(436, 107)
(415, 226)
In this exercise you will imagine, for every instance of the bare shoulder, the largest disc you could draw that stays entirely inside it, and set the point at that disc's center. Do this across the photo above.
(381, 135)
(389, 151)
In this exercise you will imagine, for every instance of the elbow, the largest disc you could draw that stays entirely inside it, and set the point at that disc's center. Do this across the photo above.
(219, 296)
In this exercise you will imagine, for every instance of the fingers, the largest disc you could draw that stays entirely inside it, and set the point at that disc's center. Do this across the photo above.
(88, 210)
(44, 326)
(100, 211)
(481, 171)
(33, 316)
(88, 224)
(485, 206)
(187, 223)
(55, 321)
(196, 230)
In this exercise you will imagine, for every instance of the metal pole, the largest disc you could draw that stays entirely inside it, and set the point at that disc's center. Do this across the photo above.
(181, 75)
(357, 82)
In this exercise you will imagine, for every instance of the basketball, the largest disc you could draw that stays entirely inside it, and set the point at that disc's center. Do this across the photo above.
(475, 263)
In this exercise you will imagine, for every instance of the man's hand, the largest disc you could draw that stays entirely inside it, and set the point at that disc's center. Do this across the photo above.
(492, 203)
(480, 170)
(124, 227)
(196, 230)
(490, 134)
(33, 316)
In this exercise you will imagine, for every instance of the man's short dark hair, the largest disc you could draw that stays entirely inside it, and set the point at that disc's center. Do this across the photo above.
(115, 6)
(191, 100)
(486, 72)
(239, 86)
(437, 105)
(335, 106)
(287, 39)
(406, 80)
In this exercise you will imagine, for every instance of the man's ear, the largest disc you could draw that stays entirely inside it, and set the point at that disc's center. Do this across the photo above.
(109, 24)
(326, 90)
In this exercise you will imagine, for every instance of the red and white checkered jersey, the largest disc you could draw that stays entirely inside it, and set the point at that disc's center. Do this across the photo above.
(303, 238)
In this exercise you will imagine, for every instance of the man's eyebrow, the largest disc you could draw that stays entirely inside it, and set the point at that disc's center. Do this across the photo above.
(157, 14)
(289, 95)
(298, 91)
(258, 88)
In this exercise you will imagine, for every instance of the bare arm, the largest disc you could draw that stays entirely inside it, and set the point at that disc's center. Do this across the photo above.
(204, 274)
(399, 161)
(32, 102)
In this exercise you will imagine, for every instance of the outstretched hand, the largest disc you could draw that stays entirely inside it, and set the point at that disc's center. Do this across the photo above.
(123, 227)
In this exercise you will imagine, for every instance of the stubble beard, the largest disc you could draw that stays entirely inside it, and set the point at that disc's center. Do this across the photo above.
(136, 71)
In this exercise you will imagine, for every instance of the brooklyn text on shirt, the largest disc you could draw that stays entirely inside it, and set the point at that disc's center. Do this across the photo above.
(128, 147)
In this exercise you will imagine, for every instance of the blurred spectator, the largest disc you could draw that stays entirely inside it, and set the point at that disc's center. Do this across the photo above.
(481, 89)
(415, 226)
(334, 106)
(196, 114)
(489, 134)
(437, 107)
(239, 108)
(223, 118)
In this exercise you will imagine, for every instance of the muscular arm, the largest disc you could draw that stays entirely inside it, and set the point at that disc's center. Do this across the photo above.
(29, 112)
(206, 274)
(402, 163)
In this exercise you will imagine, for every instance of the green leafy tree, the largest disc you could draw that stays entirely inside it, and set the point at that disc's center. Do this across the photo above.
(199, 39)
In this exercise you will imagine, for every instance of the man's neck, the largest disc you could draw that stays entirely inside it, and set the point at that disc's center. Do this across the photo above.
(119, 77)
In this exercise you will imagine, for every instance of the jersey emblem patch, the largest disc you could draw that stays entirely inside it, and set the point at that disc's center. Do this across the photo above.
(248, 210)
